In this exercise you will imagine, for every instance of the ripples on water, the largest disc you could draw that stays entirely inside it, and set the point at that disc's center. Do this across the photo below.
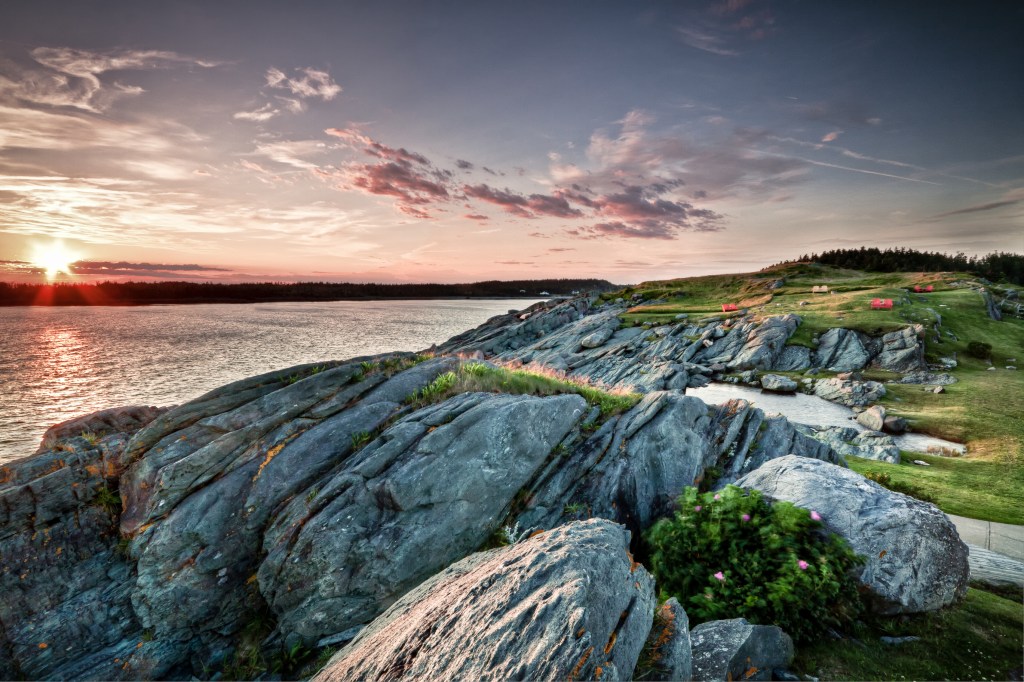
(59, 363)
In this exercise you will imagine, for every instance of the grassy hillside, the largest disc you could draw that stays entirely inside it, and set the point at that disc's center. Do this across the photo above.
(983, 409)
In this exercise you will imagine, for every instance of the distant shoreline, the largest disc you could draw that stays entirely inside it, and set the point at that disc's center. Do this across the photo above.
(368, 299)
(123, 294)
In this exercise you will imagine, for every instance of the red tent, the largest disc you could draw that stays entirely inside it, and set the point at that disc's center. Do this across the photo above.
(929, 288)
(918, 289)
(729, 307)
(881, 303)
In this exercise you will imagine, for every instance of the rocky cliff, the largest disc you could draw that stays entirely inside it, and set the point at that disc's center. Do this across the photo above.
(286, 512)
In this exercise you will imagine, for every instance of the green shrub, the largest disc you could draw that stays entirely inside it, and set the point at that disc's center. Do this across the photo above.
(731, 554)
(980, 350)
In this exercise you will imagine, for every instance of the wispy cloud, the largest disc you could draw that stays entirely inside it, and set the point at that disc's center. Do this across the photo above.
(264, 113)
(72, 76)
(868, 172)
(721, 28)
(305, 83)
(978, 208)
(704, 41)
(1010, 198)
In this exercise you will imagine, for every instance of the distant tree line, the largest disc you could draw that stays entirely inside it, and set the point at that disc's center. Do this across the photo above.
(998, 266)
(145, 293)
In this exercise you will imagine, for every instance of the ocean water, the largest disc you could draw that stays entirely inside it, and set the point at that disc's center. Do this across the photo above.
(63, 362)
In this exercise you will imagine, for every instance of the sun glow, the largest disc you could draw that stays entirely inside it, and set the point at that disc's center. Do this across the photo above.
(54, 258)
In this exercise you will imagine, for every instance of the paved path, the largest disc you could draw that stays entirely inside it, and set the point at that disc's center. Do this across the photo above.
(1003, 538)
(997, 550)
(995, 569)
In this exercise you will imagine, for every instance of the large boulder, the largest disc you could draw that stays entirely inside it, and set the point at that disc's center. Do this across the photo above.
(894, 424)
(569, 604)
(849, 392)
(736, 650)
(848, 441)
(902, 350)
(778, 384)
(793, 359)
(872, 418)
(842, 350)
(915, 558)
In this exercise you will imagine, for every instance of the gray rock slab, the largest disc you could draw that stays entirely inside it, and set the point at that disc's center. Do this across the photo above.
(569, 604)
(429, 490)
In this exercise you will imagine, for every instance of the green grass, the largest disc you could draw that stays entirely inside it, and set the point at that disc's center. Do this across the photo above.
(979, 639)
(983, 410)
(479, 377)
(974, 488)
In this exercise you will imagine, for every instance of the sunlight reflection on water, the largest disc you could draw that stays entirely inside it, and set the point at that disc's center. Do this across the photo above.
(59, 363)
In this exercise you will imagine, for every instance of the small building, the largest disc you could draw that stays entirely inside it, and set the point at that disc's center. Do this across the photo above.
(881, 304)
(729, 308)
(822, 289)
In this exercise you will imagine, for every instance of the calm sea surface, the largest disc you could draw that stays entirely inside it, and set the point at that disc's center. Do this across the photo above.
(59, 363)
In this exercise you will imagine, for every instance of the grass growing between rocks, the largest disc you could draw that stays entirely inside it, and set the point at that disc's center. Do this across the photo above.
(472, 377)
(982, 410)
(979, 639)
(977, 489)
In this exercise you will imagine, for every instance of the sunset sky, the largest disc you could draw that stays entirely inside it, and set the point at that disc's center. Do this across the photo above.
(459, 141)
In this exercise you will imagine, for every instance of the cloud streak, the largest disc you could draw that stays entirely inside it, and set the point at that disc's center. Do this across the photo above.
(71, 77)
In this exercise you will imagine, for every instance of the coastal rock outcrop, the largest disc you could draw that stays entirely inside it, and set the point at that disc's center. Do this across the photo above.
(66, 610)
(848, 441)
(592, 344)
(428, 491)
(567, 604)
(310, 499)
(906, 577)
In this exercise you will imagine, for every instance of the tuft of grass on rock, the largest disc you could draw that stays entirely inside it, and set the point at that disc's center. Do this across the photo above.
(527, 381)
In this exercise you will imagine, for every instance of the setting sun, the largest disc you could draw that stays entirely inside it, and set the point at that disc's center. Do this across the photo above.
(53, 258)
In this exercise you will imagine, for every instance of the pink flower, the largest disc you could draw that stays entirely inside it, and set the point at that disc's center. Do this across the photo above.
(721, 576)
(745, 517)
(717, 496)
(816, 516)
(802, 564)
(697, 508)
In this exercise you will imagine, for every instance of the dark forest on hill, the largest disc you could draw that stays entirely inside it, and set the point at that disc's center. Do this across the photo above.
(148, 293)
(998, 266)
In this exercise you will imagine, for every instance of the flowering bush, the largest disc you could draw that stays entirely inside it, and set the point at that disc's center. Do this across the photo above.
(731, 554)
